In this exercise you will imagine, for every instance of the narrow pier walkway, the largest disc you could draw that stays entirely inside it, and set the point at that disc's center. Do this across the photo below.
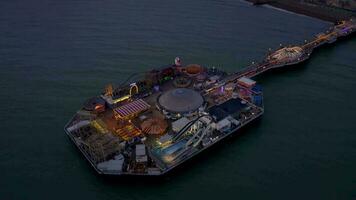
(292, 55)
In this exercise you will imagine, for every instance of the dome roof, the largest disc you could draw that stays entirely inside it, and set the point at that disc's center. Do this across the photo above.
(180, 100)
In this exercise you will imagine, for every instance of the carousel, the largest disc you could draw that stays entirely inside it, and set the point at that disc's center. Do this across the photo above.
(154, 126)
(193, 70)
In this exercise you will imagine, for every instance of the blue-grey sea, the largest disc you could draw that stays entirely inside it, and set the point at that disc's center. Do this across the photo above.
(54, 54)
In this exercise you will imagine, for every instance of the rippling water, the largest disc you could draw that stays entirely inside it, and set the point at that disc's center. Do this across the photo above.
(55, 54)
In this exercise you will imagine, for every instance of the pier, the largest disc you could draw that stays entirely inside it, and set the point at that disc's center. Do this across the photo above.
(292, 55)
(153, 125)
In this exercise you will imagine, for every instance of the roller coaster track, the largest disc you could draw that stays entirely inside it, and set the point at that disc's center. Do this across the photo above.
(200, 137)
(185, 128)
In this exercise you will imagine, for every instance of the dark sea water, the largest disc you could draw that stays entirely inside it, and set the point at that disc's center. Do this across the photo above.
(56, 53)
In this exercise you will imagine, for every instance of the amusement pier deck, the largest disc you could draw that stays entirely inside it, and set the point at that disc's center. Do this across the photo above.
(155, 123)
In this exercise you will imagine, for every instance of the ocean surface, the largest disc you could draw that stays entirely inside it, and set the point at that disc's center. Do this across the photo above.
(56, 54)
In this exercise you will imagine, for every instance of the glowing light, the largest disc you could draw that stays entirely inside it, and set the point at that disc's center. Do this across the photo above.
(123, 98)
(98, 107)
(133, 86)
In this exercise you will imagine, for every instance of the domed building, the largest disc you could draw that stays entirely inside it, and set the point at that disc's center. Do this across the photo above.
(180, 101)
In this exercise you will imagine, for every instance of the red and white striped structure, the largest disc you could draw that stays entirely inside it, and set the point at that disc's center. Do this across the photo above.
(131, 109)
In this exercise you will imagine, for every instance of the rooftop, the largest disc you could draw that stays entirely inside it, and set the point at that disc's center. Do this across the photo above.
(227, 108)
(180, 100)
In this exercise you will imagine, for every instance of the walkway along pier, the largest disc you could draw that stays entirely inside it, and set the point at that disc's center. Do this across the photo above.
(291, 55)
